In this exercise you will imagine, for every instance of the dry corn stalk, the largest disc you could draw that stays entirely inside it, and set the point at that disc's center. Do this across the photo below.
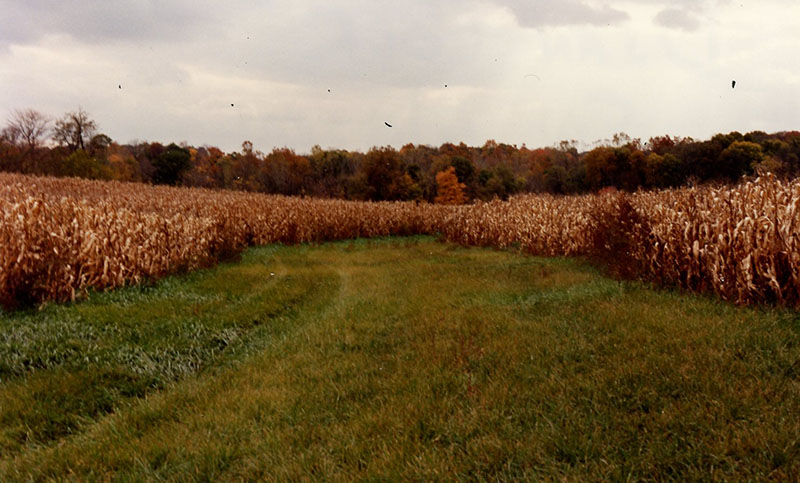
(59, 237)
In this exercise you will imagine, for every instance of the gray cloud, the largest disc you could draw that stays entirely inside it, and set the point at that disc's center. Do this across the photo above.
(543, 13)
(677, 19)
(357, 43)
(182, 63)
(99, 20)
(688, 4)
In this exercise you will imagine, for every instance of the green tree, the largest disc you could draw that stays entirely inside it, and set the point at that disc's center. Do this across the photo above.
(663, 171)
(171, 164)
(81, 165)
(555, 179)
(465, 170)
(700, 158)
(739, 158)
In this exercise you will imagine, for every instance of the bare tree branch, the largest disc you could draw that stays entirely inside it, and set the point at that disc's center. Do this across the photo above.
(29, 126)
(74, 130)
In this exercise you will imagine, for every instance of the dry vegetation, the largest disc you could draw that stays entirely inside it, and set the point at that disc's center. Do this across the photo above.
(740, 242)
(60, 237)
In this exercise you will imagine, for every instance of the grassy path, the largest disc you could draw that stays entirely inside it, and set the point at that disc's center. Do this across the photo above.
(398, 358)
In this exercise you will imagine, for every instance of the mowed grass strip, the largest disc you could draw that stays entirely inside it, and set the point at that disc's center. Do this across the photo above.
(409, 358)
(64, 366)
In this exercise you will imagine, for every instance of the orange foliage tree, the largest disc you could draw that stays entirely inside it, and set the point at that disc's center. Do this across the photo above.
(448, 189)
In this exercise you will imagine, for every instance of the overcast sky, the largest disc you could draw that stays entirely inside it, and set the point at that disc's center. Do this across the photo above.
(298, 72)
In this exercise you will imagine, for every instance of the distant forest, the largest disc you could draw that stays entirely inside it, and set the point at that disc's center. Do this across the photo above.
(73, 145)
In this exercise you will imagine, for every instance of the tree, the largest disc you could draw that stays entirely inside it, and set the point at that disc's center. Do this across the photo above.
(330, 169)
(248, 171)
(601, 168)
(699, 158)
(465, 170)
(286, 172)
(379, 169)
(74, 130)
(9, 152)
(449, 190)
(771, 165)
(81, 165)
(620, 139)
(555, 179)
(634, 176)
(661, 144)
(99, 144)
(739, 158)
(725, 140)
(171, 164)
(26, 129)
(28, 126)
(122, 164)
(207, 168)
(146, 156)
(663, 171)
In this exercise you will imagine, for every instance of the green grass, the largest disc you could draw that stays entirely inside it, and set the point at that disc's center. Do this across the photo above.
(399, 358)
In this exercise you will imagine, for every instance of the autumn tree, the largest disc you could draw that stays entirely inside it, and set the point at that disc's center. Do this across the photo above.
(287, 173)
(28, 126)
(27, 130)
(9, 152)
(145, 155)
(330, 169)
(661, 144)
(449, 191)
(247, 170)
(379, 168)
(208, 168)
(75, 130)
(614, 166)
(122, 163)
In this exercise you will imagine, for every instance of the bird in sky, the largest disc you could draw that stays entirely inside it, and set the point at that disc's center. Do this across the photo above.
(387, 124)
(733, 84)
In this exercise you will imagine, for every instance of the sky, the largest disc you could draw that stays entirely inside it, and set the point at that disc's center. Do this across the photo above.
(299, 73)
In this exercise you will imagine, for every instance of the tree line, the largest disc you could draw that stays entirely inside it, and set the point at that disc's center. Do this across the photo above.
(73, 145)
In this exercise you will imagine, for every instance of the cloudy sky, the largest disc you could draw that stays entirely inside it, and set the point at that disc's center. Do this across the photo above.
(302, 72)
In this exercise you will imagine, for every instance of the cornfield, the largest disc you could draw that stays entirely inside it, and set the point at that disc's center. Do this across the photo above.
(61, 237)
(740, 243)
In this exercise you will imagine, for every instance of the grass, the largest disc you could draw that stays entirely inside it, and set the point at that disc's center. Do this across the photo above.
(399, 358)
